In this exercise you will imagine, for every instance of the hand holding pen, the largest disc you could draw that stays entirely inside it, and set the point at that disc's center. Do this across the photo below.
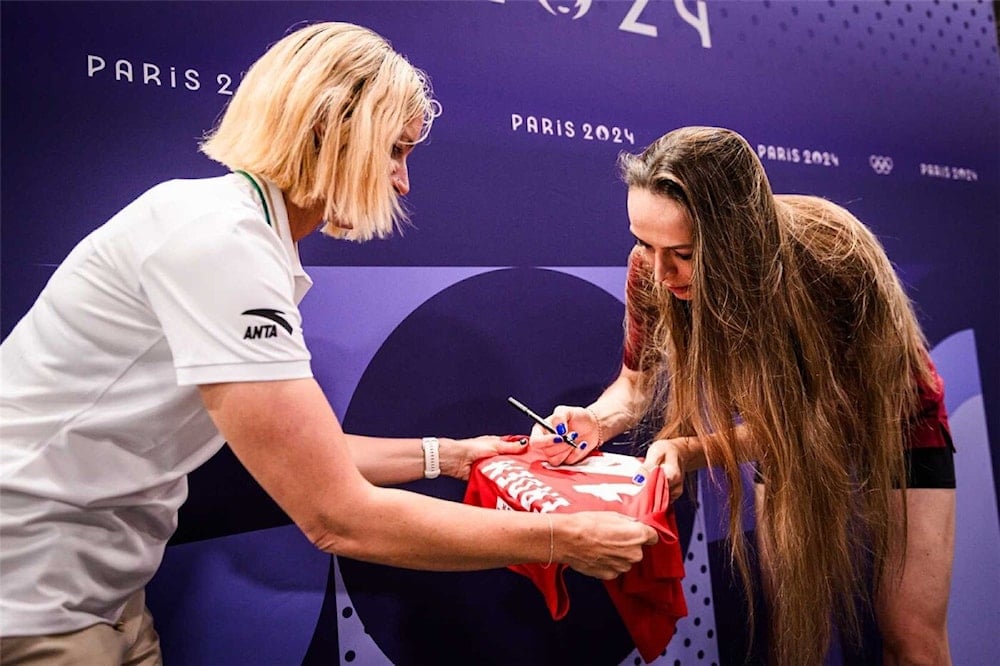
(557, 437)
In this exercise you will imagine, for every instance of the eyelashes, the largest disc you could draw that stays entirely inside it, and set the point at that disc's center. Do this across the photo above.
(683, 256)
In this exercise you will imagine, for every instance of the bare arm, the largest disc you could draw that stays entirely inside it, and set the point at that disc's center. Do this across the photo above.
(611, 414)
(615, 409)
(286, 435)
(614, 412)
(681, 455)
(386, 461)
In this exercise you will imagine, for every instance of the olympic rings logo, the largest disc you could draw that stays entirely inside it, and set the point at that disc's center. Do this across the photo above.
(880, 164)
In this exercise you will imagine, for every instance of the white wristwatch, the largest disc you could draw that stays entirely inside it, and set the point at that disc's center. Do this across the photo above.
(432, 462)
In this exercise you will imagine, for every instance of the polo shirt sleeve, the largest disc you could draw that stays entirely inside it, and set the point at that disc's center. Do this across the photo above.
(223, 292)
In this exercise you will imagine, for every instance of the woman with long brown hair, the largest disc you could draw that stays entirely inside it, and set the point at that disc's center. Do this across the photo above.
(774, 329)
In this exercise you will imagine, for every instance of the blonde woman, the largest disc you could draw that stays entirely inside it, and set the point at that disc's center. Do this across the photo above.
(774, 329)
(174, 328)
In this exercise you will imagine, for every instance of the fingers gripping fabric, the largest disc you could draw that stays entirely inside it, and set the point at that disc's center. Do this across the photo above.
(649, 597)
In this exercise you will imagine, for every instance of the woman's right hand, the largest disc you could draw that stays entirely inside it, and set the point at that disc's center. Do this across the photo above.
(570, 420)
(602, 544)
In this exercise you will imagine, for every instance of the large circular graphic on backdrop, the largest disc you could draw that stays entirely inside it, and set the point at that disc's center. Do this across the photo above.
(546, 338)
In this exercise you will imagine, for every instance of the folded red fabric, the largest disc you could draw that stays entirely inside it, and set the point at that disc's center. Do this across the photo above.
(649, 597)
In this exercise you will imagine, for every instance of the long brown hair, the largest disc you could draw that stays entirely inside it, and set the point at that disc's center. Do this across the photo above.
(799, 328)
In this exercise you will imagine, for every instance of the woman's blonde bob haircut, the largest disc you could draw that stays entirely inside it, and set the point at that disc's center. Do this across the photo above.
(318, 115)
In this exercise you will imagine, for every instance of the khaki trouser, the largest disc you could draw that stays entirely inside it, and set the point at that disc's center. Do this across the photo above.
(132, 641)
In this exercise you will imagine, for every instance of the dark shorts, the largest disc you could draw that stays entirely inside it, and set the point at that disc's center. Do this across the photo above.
(932, 467)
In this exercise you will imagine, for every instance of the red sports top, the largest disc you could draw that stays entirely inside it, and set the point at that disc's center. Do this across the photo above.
(649, 597)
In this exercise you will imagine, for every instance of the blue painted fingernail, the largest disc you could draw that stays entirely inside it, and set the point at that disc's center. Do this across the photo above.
(582, 445)
(557, 440)
(561, 428)
(638, 478)
(573, 435)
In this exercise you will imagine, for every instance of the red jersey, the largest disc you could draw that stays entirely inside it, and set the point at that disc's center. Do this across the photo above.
(929, 427)
(649, 597)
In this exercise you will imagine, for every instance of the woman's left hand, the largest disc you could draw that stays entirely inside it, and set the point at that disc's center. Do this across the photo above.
(668, 454)
(457, 455)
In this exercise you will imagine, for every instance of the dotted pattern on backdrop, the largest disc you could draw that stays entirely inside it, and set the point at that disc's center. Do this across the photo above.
(954, 42)
(695, 642)
(356, 646)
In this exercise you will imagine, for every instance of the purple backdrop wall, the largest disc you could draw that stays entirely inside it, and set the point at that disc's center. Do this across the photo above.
(890, 108)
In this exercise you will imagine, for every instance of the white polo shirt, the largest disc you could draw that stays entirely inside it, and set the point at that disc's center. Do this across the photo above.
(100, 415)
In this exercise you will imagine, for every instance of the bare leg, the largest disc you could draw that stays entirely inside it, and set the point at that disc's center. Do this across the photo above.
(763, 554)
(764, 564)
(912, 607)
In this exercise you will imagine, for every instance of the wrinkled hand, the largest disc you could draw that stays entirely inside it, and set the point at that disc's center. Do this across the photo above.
(606, 544)
(668, 454)
(457, 455)
(554, 447)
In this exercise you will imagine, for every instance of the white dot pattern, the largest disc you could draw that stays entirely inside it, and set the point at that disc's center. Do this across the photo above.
(356, 645)
(695, 641)
(915, 43)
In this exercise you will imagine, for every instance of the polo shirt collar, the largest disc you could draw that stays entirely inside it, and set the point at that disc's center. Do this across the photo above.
(282, 227)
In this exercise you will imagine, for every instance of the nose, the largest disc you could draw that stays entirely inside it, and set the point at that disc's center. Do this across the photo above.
(663, 267)
(401, 178)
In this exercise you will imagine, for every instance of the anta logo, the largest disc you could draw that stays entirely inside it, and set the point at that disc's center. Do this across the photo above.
(258, 331)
